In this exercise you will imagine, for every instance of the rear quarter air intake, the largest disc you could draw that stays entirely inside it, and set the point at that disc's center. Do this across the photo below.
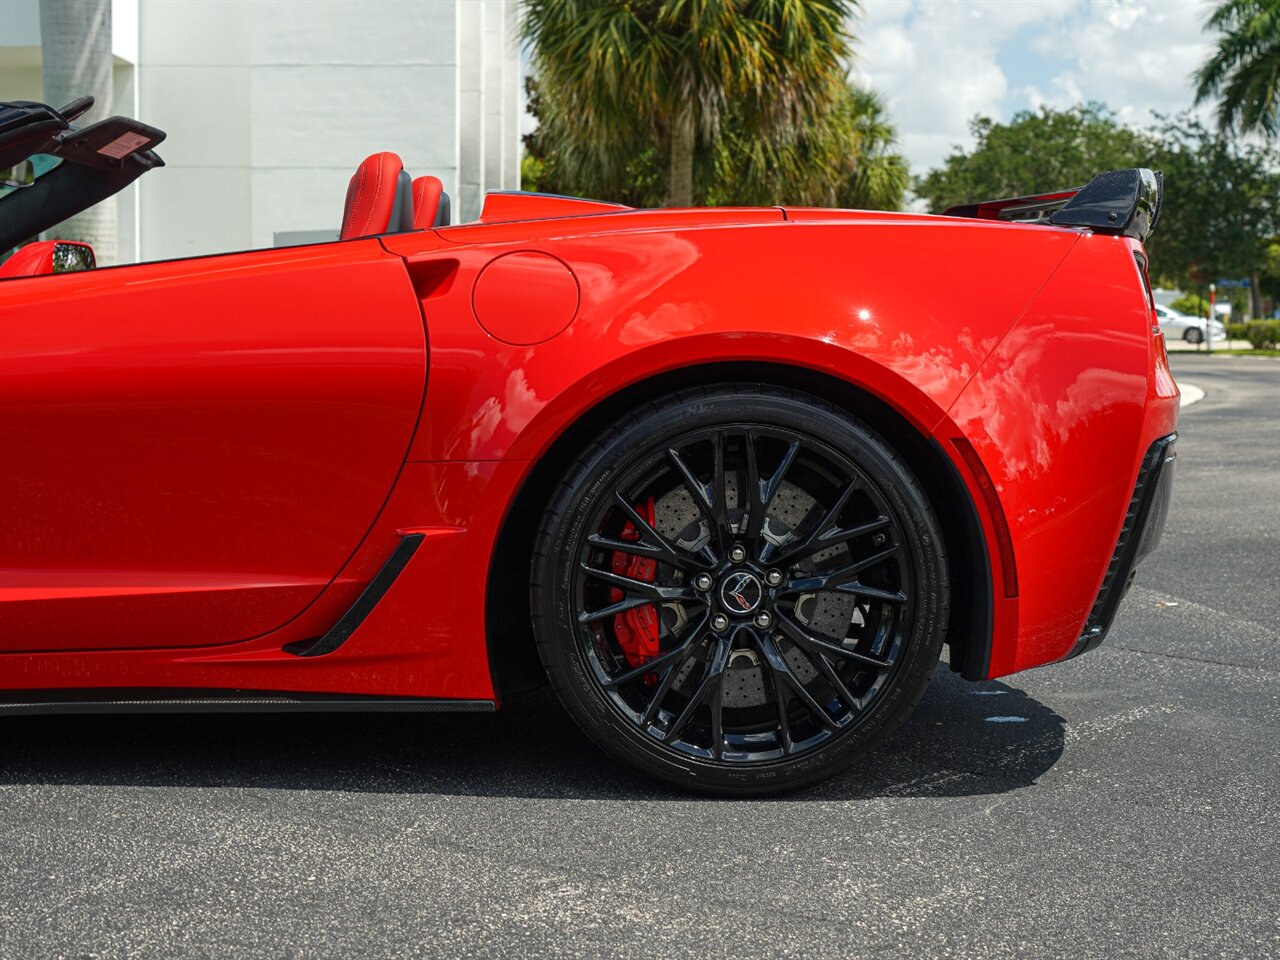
(1139, 536)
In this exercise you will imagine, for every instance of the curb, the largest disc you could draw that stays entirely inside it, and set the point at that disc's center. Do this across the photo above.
(1190, 394)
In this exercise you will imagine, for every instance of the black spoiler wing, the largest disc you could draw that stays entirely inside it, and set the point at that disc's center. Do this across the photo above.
(1120, 202)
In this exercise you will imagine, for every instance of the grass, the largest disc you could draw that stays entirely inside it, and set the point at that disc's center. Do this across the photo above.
(1252, 352)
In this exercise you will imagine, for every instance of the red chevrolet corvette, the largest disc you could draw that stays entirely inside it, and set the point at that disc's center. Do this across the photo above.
(729, 478)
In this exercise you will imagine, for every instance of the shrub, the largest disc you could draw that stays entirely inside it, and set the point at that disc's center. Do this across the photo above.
(1191, 305)
(1236, 331)
(1263, 334)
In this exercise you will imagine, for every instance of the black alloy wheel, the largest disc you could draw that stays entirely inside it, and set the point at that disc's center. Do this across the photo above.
(739, 590)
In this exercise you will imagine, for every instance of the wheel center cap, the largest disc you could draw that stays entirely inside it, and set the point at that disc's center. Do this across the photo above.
(741, 592)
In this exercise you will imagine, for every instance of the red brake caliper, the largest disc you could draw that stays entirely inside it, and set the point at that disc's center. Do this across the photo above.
(637, 628)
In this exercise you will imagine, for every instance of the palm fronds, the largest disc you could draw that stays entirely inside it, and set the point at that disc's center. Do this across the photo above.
(1244, 72)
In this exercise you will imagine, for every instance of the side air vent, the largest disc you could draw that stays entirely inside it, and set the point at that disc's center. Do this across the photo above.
(379, 585)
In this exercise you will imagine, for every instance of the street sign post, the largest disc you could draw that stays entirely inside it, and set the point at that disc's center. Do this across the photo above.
(1208, 324)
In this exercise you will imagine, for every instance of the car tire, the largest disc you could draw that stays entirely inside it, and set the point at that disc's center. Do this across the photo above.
(1193, 335)
(739, 590)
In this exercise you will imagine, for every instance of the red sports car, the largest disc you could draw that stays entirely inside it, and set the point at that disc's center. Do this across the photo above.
(729, 478)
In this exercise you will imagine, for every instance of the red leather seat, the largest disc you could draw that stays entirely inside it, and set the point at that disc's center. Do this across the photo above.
(430, 204)
(379, 199)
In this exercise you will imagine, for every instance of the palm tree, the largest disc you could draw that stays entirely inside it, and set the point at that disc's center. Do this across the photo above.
(623, 75)
(842, 158)
(1244, 72)
(75, 41)
(874, 176)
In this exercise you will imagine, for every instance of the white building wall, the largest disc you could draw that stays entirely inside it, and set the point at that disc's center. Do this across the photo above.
(194, 83)
(271, 104)
(494, 27)
(334, 82)
(512, 97)
(471, 100)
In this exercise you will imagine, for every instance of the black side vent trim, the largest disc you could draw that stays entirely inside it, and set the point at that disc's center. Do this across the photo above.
(1139, 535)
(378, 586)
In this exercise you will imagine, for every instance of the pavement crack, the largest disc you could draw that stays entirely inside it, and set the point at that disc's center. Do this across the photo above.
(1183, 656)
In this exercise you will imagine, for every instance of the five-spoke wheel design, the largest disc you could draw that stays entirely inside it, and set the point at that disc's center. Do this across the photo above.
(740, 588)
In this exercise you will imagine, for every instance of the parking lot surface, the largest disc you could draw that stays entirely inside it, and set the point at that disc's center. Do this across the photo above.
(1124, 804)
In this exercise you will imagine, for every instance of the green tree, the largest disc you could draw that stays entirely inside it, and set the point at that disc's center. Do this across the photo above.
(1270, 279)
(877, 175)
(1221, 207)
(618, 79)
(1035, 152)
(1243, 74)
(558, 160)
(846, 158)
(843, 158)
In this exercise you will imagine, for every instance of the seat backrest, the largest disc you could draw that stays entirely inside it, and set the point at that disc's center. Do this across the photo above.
(430, 203)
(379, 198)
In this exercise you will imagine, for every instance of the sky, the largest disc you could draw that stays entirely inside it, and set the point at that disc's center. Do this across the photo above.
(939, 62)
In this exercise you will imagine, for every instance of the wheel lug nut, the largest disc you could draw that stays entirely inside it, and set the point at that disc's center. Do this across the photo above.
(737, 553)
(879, 539)
(719, 623)
(773, 578)
(702, 581)
(763, 619)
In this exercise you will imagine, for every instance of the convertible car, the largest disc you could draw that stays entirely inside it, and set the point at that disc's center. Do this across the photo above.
(730, 479)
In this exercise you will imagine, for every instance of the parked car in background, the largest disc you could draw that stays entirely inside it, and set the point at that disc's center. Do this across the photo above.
(1180, 326)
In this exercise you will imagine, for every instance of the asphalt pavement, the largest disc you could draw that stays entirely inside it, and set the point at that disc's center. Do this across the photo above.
(1124, 804)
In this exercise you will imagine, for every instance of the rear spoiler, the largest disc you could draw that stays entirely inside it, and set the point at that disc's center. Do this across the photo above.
(1124, 203)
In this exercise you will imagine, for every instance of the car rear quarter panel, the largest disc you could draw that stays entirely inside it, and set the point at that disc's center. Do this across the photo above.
(1061, 415)
(907, 310)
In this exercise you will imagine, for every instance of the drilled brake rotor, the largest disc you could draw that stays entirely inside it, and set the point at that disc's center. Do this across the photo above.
(677, 517)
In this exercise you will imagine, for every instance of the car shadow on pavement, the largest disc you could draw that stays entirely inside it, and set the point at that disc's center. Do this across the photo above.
(964, 739)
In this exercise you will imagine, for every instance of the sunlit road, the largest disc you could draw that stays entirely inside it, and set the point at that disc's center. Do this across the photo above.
(1125, 804)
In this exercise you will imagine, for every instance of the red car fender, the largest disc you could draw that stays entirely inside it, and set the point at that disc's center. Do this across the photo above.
(512, 404)
(1061, 415)
(841, 298)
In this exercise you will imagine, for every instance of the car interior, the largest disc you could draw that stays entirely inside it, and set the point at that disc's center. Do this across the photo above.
(51, 170)
(383, 198)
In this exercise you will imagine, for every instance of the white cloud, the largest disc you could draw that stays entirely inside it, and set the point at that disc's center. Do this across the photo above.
(1134, 56)
(938, 62)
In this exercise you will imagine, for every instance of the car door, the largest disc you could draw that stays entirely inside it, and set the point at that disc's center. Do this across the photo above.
(191, 450)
